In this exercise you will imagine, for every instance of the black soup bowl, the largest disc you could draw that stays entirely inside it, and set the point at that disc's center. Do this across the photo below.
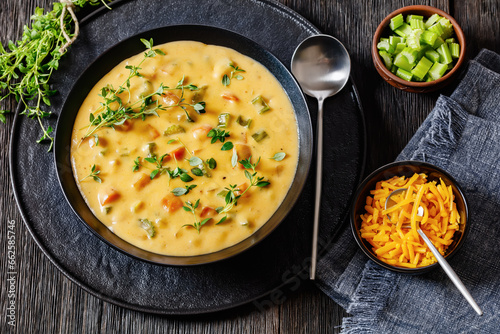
(132, 46)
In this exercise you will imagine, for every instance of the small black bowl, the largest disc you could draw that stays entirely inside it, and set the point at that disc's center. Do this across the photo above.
(132, 46)
(408, 168)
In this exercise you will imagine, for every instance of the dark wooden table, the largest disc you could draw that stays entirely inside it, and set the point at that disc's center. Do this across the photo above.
(48, 302)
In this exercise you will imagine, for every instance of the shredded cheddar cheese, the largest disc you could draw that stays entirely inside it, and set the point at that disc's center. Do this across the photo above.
(386, 229)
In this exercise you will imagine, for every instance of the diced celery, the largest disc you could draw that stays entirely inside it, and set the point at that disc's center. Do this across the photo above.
(173, 130)
(454, 49)
(422, 50)
(396, 22)
(417, 24)
(413, 39)
(432, 55)
(395, 40)
(400, 47)
(259, 135)
(437, 28)
(246, 123)
(404, 30)
(410, 54)
(261, 104)
(428, 37)
(405, 75)
(422, 68)
(445, 55)
(438, 43)
(445, 23)
(401, 62)
(386, 46)
(437, 70)
(223, 120)
(431, 20)
(386, 57)
(417, 49)
(414, 17)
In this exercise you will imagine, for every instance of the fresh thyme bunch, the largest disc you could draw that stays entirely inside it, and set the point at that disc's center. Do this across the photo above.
(27, 65)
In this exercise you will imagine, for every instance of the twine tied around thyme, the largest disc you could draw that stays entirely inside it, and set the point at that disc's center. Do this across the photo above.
(68, 5)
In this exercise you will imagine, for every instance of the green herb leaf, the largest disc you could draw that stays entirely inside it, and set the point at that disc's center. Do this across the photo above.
(195, 161)
(227, 146)
(196, 171)
(234, 159)
(212, 164)
(183, 191)
(154, 173)
(185, 177)
(223, 219)
(279, 156)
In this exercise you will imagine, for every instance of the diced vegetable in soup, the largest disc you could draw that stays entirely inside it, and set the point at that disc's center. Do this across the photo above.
(185, 149)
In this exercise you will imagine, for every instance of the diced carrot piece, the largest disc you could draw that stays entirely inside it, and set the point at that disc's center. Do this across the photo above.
(152, 132)
(142, 181)
(229, 97)
(201, 132)
(170, 99)
(171, 203)
(208, 212)
(108, 196)
(126, 126)
(177, 154)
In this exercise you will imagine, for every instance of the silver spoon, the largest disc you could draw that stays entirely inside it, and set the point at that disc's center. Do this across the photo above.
(389, 202)
(321, 65)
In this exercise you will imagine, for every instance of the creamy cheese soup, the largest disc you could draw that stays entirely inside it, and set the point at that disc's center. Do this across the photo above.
(156, 180)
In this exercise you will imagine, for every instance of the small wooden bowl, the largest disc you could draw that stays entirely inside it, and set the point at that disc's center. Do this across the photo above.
(383, 30)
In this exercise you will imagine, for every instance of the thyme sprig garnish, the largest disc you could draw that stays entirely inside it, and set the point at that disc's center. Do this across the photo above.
(217, 134)
(234, 193)
(114, 111)
(183, 191)
(93, 174)
(220, 135)
(26, 69)
(226, 79)
(137, 164)
(189, 207)
(158, 164)
(195, 161)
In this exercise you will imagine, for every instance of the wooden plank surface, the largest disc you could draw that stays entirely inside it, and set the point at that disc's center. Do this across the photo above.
(48, 302)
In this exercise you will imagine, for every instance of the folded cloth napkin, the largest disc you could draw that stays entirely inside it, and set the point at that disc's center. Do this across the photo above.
(462, 136)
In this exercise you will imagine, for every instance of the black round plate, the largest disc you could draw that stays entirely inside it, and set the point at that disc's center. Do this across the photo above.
(131, 46)
(123, 280)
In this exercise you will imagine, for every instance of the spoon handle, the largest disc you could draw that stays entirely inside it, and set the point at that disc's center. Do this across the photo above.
(317, 199)
(451, 273)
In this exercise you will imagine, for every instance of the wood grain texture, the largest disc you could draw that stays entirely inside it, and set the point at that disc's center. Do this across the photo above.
(48, 302)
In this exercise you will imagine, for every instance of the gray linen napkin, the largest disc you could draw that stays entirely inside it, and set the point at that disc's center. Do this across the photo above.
(462, 136)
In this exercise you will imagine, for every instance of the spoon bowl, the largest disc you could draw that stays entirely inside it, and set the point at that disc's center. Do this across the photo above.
(322, 66)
